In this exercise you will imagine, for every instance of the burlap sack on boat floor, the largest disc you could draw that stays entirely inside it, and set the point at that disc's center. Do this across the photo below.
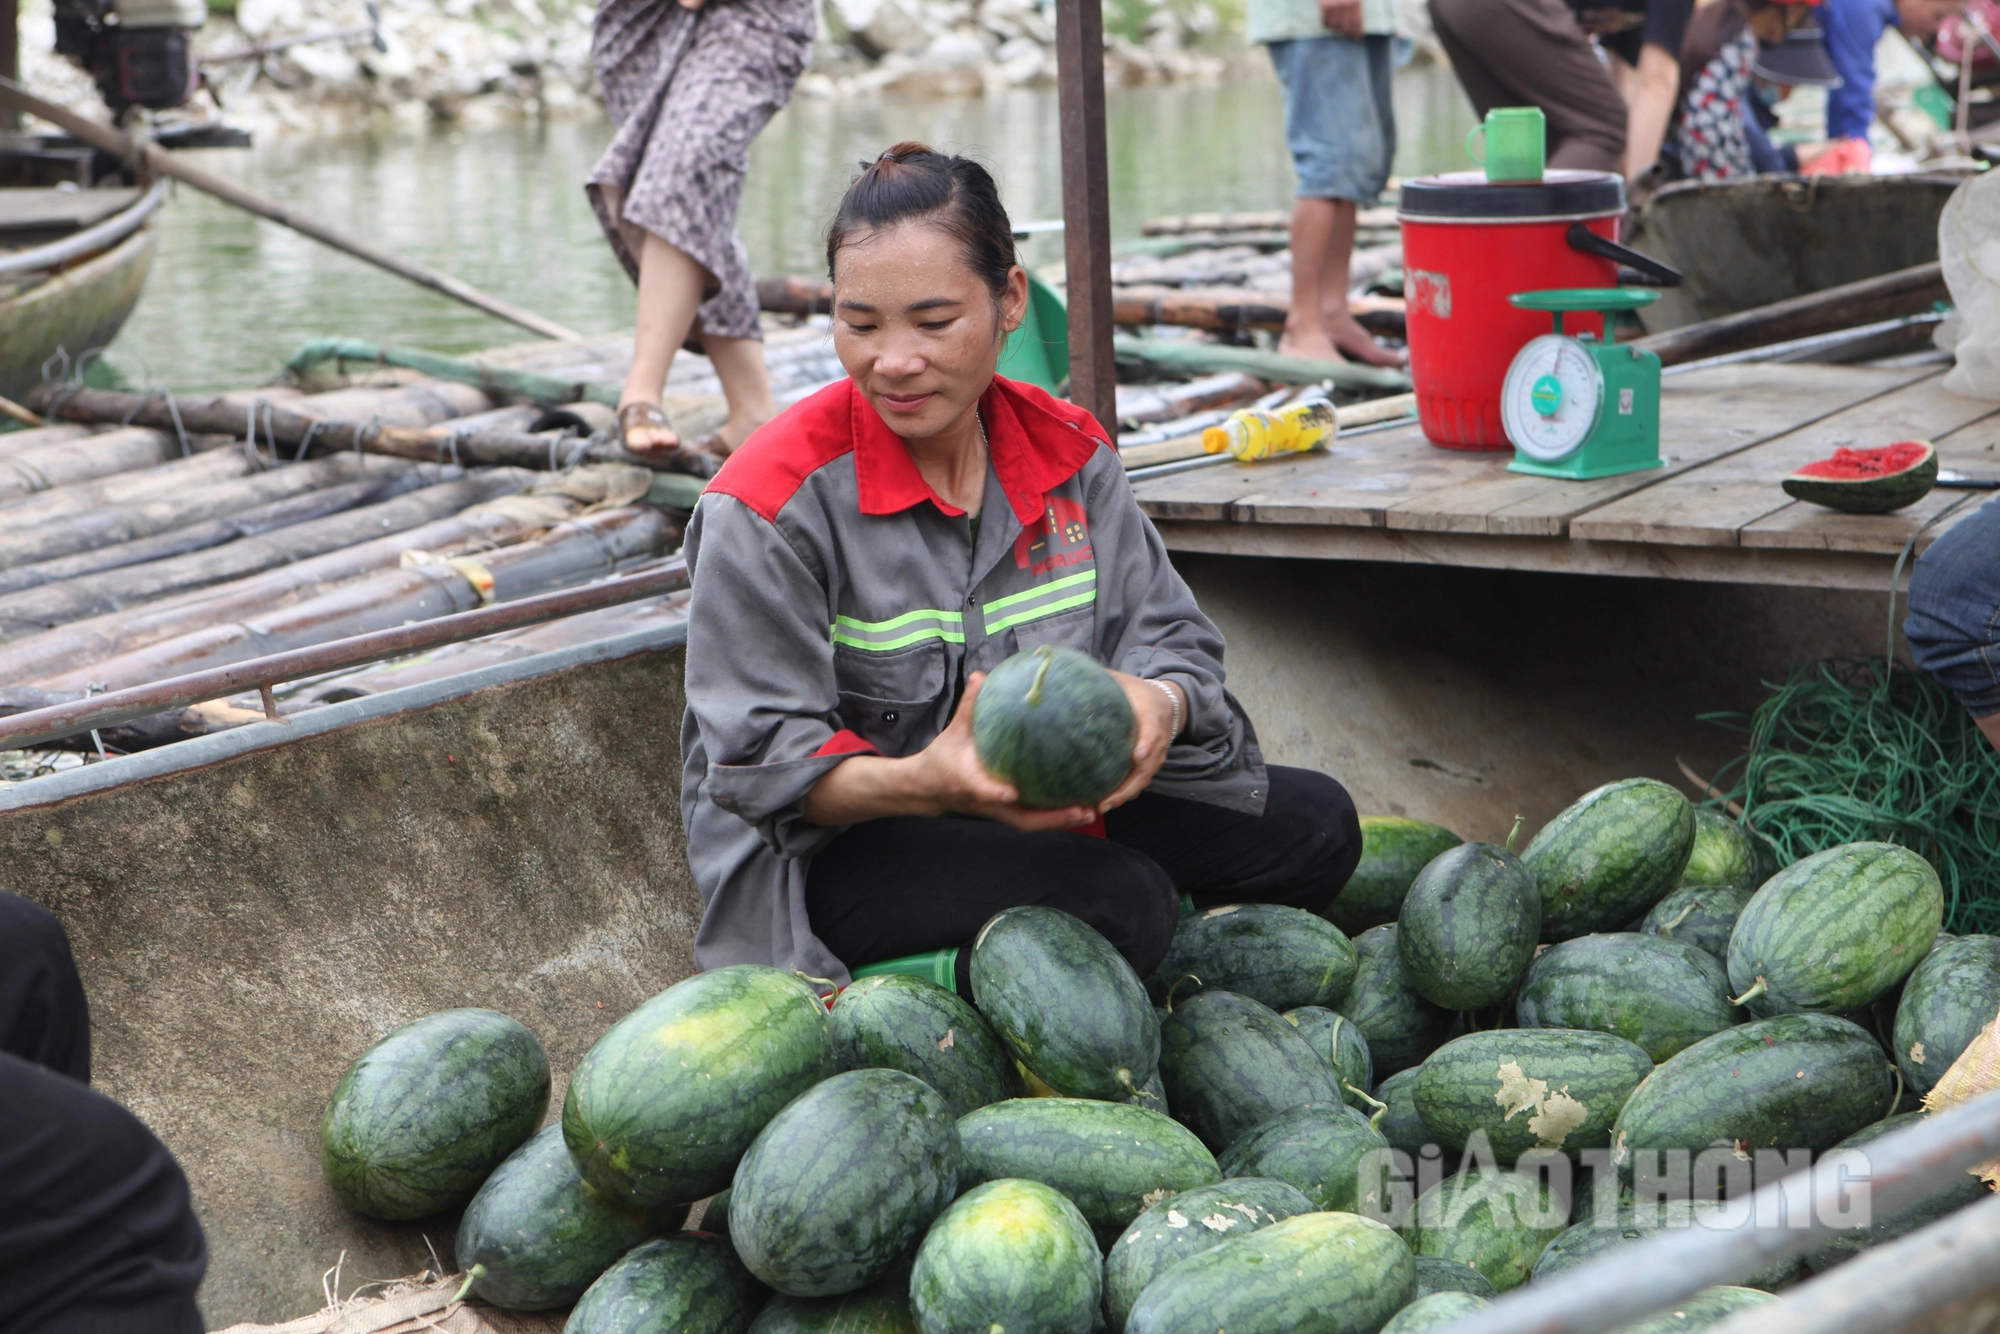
(595, 486)
(1976, 1071)
(415, 1306)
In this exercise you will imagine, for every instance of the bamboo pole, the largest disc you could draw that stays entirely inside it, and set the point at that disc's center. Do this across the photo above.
(570, 553)
(1190, 307)
(54, 467)
(35, 437)
(161, 162)
(1191, 358)
(8, 407)
(1216, 222)
(10, 56)
(275, 576)
(1904, 292)
(38, 597)
(460, 440)
(493, 379)
(71, 533)
(209, 464)
(1086, 194)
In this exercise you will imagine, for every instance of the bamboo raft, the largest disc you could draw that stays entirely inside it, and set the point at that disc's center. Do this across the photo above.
(147, 536)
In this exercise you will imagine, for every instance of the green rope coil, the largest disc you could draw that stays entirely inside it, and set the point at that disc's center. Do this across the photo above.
(1850, 750)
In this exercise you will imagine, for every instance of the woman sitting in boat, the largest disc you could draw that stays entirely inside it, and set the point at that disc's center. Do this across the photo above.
(863, 561)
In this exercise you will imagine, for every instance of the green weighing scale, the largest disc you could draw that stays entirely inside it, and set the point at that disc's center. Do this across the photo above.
(1580, 407)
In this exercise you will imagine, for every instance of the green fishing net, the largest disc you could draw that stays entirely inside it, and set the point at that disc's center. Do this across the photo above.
(1848, 750)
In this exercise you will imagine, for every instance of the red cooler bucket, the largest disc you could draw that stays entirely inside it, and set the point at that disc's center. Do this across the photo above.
(1469, 244)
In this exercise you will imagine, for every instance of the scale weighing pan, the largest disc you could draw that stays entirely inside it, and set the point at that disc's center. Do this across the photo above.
(1576, 407)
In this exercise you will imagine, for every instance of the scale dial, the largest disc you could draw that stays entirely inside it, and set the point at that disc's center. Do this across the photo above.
(1551, 398)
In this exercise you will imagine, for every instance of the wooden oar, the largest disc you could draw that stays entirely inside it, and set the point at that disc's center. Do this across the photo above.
(164, 163)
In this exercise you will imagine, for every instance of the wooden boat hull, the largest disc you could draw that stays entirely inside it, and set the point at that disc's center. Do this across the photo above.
(1749, 243)
(251, 909)
(80, 308)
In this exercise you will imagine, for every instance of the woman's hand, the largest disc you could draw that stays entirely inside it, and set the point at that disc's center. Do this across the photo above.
(1155, 715)
(944, 776)
(952, 771)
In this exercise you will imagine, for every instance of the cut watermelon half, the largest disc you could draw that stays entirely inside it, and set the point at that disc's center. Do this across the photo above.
(1868, 481)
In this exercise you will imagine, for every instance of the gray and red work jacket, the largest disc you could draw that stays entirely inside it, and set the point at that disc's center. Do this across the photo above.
(839, 603)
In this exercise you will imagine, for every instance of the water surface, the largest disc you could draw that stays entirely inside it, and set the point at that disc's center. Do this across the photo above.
(232, 296)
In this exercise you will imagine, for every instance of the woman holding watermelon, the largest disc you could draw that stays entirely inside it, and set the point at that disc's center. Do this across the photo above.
(863, 561)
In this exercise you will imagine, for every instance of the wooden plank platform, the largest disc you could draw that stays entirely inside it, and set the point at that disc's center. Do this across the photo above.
(1713, 512)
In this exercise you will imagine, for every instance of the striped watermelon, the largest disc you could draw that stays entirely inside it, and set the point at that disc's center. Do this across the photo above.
(1282, 957)
(667, 1101)
(418, 1122)
(1833, 932)
(1230, 1064)
(1009, 1255)
(1278, 1280)
(843, 1182)
(537, 1236)
(1611, 855)
(1066, 1003)
(689, 1281)
(894, 1021)
(1185, 1225)
(1112, 1159)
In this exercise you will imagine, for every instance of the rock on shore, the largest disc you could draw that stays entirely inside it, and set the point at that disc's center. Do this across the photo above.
(482, 62)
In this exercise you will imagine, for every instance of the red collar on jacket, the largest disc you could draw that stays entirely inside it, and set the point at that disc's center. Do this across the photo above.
(1037, 443)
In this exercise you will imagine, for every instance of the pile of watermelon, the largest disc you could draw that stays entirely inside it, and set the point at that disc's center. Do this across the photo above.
(1299, 1124)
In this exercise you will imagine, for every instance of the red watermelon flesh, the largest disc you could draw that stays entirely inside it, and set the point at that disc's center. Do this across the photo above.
(1868, 481)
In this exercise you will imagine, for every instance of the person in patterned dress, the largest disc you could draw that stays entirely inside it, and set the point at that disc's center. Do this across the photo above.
(1718, 134)
(689, 84)
(1711, 135)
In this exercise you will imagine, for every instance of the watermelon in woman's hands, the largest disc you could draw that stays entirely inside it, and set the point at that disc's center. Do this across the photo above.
(1056, 725)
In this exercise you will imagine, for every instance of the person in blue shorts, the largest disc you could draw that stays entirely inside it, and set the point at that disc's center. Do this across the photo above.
(1333, 58)
(1954, 621)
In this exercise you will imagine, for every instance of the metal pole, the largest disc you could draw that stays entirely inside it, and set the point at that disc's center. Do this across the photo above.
(1635, 1281)
(10, 58)
(1086, 208)
(1890, 1288)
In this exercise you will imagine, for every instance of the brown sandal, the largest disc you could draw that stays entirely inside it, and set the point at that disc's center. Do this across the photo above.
(644, 414)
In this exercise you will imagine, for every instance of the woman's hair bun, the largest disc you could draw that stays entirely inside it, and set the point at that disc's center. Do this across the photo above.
(897, 154)
(913, 182)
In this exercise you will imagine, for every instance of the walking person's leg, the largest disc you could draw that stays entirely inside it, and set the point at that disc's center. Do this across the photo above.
(668, 190)
(1333, 128)
(671, 287)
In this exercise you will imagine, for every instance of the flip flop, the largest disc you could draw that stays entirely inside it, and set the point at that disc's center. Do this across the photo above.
(642, 414)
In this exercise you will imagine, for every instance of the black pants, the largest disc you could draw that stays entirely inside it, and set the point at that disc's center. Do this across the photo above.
(97, 1235)
(886, 888)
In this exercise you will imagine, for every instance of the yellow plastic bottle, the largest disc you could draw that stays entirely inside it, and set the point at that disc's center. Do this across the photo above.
(1253, 433)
